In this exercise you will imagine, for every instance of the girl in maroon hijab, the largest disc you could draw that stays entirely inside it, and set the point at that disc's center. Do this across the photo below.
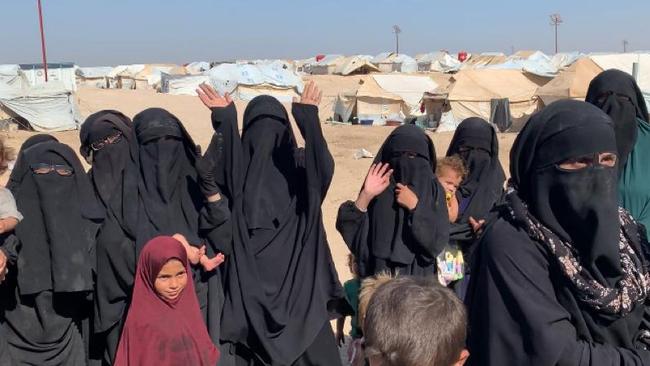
(164, 325)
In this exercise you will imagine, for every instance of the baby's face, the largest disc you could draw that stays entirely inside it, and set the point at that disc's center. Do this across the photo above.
(449, 179)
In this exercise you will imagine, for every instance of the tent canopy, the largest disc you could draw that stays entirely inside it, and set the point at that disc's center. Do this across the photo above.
(571, 83)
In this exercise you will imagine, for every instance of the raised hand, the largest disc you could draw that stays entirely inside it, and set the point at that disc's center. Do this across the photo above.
(311, 95)
(193, 253)
(211, 98)
(377, 180)
(405, 197)
(477, 225)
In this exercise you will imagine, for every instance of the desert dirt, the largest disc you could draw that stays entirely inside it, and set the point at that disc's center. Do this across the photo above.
(343, 142)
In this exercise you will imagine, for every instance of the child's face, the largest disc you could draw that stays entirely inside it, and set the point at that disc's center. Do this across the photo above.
(449, 179)
(171, 280)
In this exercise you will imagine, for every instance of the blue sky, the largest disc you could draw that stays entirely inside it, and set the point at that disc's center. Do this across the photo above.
(108, 32)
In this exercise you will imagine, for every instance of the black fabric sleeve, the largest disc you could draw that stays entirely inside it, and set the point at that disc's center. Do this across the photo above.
(353, 226)
(214, 222)
(10, 248)
(319, 163)
(429, 226)
(515, 317)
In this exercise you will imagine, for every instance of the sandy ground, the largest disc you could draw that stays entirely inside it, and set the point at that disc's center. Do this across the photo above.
(343, 141)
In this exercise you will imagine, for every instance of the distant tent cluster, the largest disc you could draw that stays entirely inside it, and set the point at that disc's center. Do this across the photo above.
(437, 89)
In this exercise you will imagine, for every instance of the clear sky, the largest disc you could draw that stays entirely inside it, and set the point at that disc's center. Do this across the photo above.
(109, 32)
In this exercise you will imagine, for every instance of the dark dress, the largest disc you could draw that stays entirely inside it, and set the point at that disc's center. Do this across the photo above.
(282, 286)
(389, 237)
(46, 299)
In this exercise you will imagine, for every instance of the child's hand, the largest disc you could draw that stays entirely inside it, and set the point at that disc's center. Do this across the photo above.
(477, 226)
(406, 197)
(193, 253)
(210, 264)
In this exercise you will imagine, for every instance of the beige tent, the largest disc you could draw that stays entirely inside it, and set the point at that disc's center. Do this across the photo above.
(333, 87)
(571, 83)
(481, 60)
(354, 65)
(473, 90)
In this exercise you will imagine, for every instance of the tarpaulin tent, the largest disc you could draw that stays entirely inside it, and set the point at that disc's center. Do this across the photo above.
(46, 108)
(182, 84)
(535, 63)
(393, 62)
(355, 65)
(438, 61)
(96, 77)
(63, 72)
(483, 59)
(326, 65)
(247, 81)
(473, 91)
(195, 68)
(11, 77)
(571, 83)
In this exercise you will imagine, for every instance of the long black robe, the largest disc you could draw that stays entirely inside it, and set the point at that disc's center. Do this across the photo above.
(389, 237)
(282, 285)
(523, 310)
(114, 175)
(46, 298)
(170, 202)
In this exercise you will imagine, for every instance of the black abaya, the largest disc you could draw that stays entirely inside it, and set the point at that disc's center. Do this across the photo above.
(46, 297)
(389, 237)
(170, 202)
(282, 284)
(114, 175)
(524, 308)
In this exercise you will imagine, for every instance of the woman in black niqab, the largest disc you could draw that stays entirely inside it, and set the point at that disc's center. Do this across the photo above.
(46, 299)
(109, 145)
(177, 194)
(560, 277)
(282, 285)
(389, 237)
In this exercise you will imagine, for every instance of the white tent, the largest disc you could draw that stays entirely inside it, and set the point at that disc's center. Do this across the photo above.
(248, 81)
(392, 62)
(326, 65)
(195, 68)
(12, 77)
(61, 72)
(183, 84)
(46, 108)
(96, 77)
(356, 65)
(438, 61)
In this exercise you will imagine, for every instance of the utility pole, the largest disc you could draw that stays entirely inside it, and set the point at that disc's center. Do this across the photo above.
(397, 31)
(40, 19)
(556, 20)
(625, 44)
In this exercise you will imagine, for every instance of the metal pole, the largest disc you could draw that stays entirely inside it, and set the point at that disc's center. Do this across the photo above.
(555, 38)
(397, 43)
(40, 18)
(635, 71)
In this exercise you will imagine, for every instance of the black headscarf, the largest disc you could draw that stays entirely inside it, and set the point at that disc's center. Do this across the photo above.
(20, 168)
(618, 95)
(170, 199)
(57, 234)
(114, 171)
(475, 141)
(579, 206)
(282, 284)
(410, 153)
(269, 148)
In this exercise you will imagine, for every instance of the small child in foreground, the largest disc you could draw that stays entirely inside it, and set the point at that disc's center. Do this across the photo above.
(450, 263)
(413, 321)
(351, 288)
(197, 255)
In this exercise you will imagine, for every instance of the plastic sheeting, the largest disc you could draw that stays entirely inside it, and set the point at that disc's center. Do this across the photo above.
(537, 63)
(195, 68)
(182, 85)
(94, 72)
(408, 87)
(438, 61)
(47, 108)
(11, 77)
(226, 78)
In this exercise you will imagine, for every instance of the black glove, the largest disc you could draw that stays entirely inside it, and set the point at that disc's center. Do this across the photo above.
(205, 168)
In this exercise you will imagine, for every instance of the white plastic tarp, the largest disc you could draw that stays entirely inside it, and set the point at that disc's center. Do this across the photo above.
(11, 77)
(182, 85)
(564, 60)
(94, 72)
(409, 87)
(227, 77)
(439, 61)
(126, 70)
(537, 64)
(197, 67)
(47, 108)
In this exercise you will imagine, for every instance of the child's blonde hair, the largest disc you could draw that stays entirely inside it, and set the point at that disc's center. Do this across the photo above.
(368, 288)
(455, 163)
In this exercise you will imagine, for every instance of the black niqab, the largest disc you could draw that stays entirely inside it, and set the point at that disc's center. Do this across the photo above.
(57, 234)
(169, 195)
(475, 141)
(282, 284)
(618, 95)
(411, 155)
(20, 168)
(579, 206)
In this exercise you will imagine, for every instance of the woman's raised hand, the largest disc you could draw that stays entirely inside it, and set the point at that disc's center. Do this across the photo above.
(377, 180)
(211, 98)
(311, 95)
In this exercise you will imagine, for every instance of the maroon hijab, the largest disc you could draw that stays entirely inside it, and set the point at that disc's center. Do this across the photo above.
(158, 332)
